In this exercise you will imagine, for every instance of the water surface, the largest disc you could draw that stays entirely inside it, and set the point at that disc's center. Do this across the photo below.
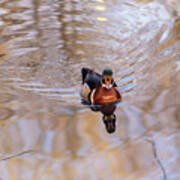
(45, 132)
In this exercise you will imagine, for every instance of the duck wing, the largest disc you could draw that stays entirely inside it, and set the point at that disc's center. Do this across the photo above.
(91, 78)
(86, 71)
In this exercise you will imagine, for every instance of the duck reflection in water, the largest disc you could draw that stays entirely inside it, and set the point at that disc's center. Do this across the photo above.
(101, 94)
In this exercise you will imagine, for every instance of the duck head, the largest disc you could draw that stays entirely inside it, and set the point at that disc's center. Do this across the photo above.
(107, 79)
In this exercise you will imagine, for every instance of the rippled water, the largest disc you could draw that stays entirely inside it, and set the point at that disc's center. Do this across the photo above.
(45, 133)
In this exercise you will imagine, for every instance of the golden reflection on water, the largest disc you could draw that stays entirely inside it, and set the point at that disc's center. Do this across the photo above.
(43, 45)
(101, 18)
(100, 8)
(102, 1)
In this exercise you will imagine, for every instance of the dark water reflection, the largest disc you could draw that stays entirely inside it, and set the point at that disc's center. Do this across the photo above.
(43, 46)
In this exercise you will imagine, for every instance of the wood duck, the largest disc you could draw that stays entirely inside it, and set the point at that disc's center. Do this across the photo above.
(101, 90)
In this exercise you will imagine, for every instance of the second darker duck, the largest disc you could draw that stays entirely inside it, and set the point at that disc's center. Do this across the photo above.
(99, 89)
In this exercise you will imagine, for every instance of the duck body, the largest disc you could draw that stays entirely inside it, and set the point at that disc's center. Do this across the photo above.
(93, 90)
(101, 93)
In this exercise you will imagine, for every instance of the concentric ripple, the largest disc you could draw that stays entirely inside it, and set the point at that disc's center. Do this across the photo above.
(44, 45)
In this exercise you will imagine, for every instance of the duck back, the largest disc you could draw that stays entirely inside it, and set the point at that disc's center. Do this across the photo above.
(91, 78)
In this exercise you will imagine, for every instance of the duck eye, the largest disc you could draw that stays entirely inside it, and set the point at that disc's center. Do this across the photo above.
(103, 81)
(112, 81)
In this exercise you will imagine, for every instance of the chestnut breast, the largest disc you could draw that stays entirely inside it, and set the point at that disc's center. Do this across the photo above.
(102, 95)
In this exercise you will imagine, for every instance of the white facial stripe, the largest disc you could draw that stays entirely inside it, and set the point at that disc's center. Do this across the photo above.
(92, 96)
(107, 86)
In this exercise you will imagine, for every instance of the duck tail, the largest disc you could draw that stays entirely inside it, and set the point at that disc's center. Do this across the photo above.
(84, 72)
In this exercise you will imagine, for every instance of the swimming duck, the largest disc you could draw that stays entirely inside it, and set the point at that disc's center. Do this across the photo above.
(101, 89)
